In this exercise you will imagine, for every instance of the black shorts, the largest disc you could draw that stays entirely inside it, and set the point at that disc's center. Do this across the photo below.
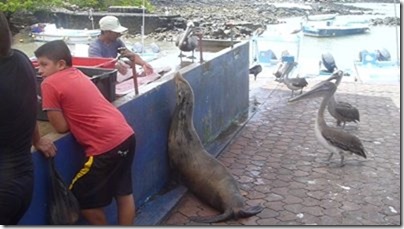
(105, 176)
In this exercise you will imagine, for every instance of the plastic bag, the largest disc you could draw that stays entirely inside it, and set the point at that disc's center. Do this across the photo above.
(63, 206)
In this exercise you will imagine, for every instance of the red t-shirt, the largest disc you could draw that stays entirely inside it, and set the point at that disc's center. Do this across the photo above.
(95, 123)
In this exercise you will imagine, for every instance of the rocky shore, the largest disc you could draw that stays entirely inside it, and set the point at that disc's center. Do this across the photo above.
(241, 17)
(220, 19)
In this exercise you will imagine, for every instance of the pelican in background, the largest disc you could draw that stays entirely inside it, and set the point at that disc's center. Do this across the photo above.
(292, 83)
(255, 70)
(333, 139)
(259, 31)
(327, 59)
(187, 41)
(341, 111)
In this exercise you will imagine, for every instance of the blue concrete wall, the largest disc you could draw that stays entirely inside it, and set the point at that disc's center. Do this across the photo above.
(221, 88)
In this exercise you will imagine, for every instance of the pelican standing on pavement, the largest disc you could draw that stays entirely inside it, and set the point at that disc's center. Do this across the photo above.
(292, 83)
(255, 70)
(187, 41)
(342, 111)
(333, 139)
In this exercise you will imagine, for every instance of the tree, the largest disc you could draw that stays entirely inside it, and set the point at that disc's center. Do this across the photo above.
(11, 6)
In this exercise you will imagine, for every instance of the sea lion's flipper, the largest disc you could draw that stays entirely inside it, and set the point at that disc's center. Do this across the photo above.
(244, 213)
(228, 214)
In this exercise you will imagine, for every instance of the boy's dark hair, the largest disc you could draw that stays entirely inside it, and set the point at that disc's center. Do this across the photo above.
(55, 50)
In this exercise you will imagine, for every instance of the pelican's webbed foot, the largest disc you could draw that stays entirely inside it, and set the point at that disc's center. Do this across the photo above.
(329, 157)
(342, 160)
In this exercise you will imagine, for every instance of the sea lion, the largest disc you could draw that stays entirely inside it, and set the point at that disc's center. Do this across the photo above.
(202, 173)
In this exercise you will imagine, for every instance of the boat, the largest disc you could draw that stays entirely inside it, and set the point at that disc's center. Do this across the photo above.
(44, 32)
(377, 67)
(334, 28)
(268, 49)
(321, 17)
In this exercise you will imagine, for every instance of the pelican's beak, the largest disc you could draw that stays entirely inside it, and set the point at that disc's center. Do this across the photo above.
(318, 90)
(335, 75)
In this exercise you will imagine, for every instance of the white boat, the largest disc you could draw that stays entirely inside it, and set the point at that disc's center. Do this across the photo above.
(377, 67)
(45, 32)
(268, 49)
(321, 17)
(334, 28)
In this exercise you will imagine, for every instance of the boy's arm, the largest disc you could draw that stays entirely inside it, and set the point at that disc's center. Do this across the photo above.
(44, 145)
(58, 121)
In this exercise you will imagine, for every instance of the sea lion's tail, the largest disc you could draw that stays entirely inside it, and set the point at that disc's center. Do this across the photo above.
(244, 213)
(228, 214)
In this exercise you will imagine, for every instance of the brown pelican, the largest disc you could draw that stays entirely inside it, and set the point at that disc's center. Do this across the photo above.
(328, 61)
(259, 31)
(187, 41)
(255, 70)
(341, 111)
(292, 83)
(333, 139)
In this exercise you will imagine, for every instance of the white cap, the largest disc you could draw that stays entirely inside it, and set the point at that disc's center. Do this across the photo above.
(111, 23)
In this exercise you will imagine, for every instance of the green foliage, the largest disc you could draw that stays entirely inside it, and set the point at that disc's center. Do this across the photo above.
(87, 3)
(138, 3)
(12, 6)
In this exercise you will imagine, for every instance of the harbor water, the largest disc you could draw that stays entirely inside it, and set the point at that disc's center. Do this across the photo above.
(344, 49)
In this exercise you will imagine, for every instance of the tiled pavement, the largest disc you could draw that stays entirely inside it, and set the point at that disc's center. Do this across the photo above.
(278, 162)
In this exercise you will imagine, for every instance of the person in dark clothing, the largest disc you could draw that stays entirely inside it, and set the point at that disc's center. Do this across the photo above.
(18, 129)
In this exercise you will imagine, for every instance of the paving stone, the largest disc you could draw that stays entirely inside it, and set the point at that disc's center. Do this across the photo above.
(275, 205)
(294, 208)
(268, 221)
(278, 162)
(286, 216)
(274, 197)
(315, 210)
(177, 219)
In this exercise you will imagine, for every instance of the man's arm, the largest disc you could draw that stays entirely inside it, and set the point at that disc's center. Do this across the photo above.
(42, 144)
(94, 50)
(136, 59)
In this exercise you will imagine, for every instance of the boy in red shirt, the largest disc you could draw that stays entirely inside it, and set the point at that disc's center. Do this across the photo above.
(73, 103)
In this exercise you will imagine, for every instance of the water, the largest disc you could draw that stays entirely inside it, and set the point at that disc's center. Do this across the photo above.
(344, 49)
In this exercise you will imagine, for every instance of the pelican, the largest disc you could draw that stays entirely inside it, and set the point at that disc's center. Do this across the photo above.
(255, 70)
(333, 139)
(292, 83)
(259, 31)
(328, 61)
(341, 111)
(187, 41)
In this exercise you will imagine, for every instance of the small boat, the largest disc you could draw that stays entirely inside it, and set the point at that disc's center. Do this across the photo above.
(377, 67)
(333, 28)
(268, 49)
(321, 17)
(44, 32)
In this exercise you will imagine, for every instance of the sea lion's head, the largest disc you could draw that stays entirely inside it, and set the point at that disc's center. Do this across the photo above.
(185, 95)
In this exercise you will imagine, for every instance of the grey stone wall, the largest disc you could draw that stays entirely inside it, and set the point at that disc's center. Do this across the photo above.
(133, 21)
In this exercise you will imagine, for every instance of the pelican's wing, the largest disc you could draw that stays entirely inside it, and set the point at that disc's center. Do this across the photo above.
(344, 141)
(347, 110)
(299, 82)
